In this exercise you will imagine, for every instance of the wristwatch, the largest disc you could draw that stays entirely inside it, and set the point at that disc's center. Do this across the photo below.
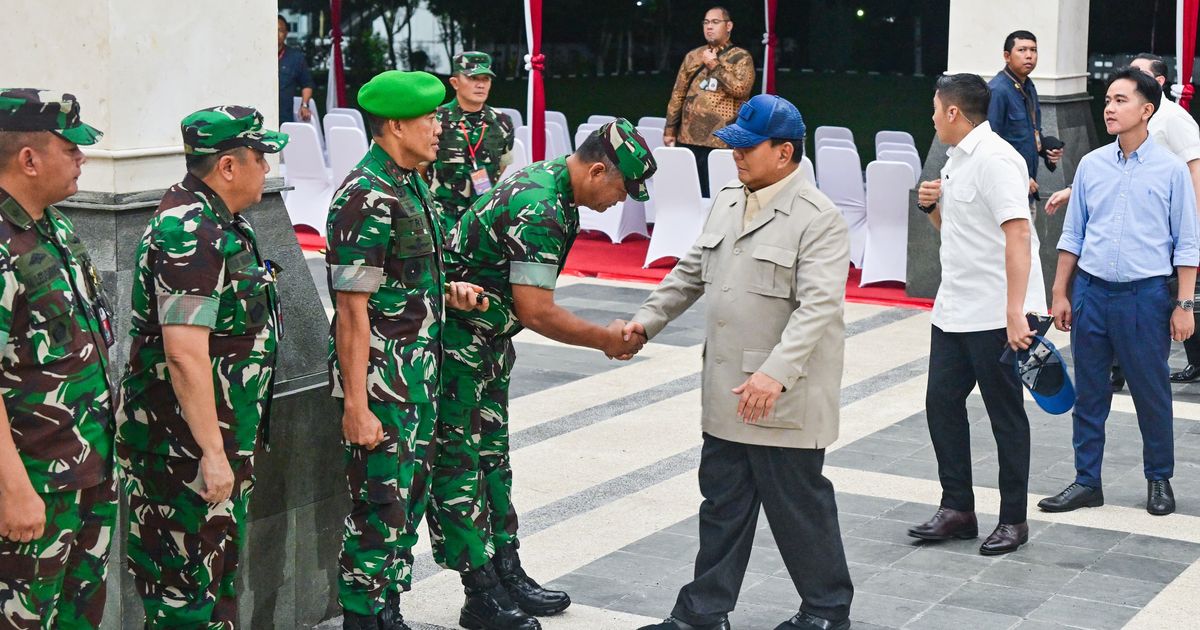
(927, 209)
(1185, 304)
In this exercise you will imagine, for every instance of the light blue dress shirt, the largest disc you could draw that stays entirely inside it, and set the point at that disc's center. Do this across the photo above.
(1131, 219)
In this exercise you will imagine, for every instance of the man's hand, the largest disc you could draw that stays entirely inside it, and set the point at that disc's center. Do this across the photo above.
(305, 113)
(1054, 155)
(1060, 310)
(757, 397)
(1058, 200)
(929, 192)
(1033, 186)
(462, 296)
(1020, 335)
(622, 345)
(217, 477)
(669, 141)
(22, 514)
(1183, 324)
(709, 57)
(362, 428)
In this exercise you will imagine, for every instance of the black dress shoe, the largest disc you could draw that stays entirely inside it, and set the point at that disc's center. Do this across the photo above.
(524, 591)
(947, 524)
(1117, 379)
(671, 623)
(1005, 539)
(1075, 496)
(1160, 499)
(488, 606)
(355, 621)
(809, 621)
(1189, 374)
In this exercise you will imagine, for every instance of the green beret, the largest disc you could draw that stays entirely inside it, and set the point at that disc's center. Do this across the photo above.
(399, 95)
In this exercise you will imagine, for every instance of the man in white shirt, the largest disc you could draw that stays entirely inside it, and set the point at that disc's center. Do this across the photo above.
(990, 279)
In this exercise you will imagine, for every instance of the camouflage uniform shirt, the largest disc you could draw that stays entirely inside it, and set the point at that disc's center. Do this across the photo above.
(384, 239)
(198, 264)
(518, 233)
(705, 100)
(53, 369)
(450, 174)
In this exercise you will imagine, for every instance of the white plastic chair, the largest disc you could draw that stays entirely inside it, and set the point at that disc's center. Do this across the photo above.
(583, 132)
(347, 146)
(911, 159)
(617, 222)
(895, 146)
(337, 120)
(520, 158)
(901, 137)
(885, 252)
(652, 121)
(600, 119)
(522, 135)
(836, 142)
(515, 115)
(843, 133)
(314, 120)
(654, 139)
(680, 212)
(353, 113)
(806, 168)
(561, 119)
(721, 169)
(308, 201)
(558, 143)
(839, 176)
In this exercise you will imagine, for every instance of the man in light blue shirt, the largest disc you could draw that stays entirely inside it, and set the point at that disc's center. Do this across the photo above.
(1131, 222)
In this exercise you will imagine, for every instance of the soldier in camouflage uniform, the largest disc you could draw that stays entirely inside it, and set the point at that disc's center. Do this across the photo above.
(476, 143)
(57, 490)
(514, 242)
(201, 367)
(384, 257)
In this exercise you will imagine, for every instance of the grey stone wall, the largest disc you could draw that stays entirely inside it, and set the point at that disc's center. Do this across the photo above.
(289, 566)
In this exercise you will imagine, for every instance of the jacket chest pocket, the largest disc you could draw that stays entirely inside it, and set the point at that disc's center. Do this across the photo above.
(251, 284)
(414, 250)
(708, 243)
(53, 333)
(774, 271)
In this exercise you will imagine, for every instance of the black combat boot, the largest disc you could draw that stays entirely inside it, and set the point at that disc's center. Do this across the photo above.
(488, 606)
(390, 617)
(529, 595)
(355, 621)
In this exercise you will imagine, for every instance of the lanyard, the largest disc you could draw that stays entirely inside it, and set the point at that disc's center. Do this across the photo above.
(1030, 110)
(472, 149)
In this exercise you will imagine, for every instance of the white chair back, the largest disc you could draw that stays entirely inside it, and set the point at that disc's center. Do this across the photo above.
(806, 167)
(583, 132)
(520, 157)
(905, 157)
(836, 142)
(721, 170)
(558, 143)
(353, 113)
(561, 119)
(337, 120)
(895, 146)
(315, 120)
(514, 114)
(303, 152)
(885, 255)
(652, 135)
(843, 133)
(680, 212)
(652, 121)
(901, 137)
(347, 146)
(839, 176)
(522, 136)
(600, 119)
(308, 201)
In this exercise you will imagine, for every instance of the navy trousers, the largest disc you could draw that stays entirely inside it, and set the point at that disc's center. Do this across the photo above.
(1131, 322)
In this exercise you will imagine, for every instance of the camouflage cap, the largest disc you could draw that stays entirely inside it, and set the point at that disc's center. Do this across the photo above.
(398, 95)
(225, 127)
(472, 63)
(629, 151)
(29, 109)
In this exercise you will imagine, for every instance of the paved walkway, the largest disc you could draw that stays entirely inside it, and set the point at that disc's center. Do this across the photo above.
(605, 458)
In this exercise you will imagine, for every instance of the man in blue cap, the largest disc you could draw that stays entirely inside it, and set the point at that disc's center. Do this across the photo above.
(772, 258)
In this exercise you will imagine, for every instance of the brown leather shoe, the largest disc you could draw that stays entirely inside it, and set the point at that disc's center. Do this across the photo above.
(947, 524)
(1005, 539)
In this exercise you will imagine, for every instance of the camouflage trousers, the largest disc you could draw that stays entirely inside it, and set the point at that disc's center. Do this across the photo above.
(57, 581)
(471, 504)
(183, 551)
(389, 489)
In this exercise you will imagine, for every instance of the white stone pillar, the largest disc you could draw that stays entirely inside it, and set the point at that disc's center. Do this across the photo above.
(138, 67)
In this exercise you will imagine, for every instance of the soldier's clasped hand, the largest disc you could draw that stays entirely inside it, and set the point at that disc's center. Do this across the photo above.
(465, 296)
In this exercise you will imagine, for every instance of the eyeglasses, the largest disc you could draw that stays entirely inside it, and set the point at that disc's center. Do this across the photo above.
(714, 22)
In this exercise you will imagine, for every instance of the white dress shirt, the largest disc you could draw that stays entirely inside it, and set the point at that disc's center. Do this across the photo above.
(985, 183)
(1174, 128)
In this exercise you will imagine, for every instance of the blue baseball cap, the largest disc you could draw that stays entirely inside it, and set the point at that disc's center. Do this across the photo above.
(1042, 371)
(761, 118)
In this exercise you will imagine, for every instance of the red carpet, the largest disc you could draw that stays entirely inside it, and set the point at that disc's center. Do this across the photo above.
(594, 256)
(309, 240)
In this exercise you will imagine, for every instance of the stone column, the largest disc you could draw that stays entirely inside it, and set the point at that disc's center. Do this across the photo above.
(977, 32)
(138, 67)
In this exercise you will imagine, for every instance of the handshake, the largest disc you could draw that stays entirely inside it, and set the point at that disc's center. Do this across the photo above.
(624, 340)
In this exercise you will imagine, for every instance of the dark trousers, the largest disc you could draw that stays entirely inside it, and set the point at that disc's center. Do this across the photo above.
(1130, 321)
(736, 479)
(957, 361)
(701, 154)
(1192, 347)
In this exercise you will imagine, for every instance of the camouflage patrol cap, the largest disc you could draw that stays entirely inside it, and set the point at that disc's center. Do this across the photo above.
(629, 151)
(398, 95)
(29, 109)
(473, 63)
(225, 127)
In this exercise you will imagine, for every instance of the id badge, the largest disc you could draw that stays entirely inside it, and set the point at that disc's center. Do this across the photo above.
(480, 181)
